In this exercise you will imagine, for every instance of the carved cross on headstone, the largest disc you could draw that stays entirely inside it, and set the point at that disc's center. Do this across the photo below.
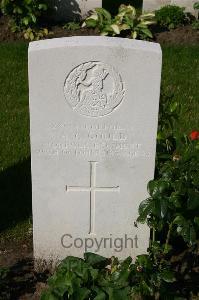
(92, 189)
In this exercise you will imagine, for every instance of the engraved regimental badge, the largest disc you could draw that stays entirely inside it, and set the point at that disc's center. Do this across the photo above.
(94, 89)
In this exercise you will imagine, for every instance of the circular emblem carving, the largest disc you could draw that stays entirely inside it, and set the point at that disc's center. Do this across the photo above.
(94, 89)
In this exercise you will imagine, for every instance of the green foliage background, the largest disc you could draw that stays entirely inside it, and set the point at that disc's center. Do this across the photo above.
(112, 5)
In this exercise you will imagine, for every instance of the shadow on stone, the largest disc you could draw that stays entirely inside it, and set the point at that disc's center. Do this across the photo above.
(65, 10)
(15, 194)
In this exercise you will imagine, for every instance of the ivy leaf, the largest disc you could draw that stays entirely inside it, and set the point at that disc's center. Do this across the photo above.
(185, 229)
(47, 295)
(173, 106)
(147, 32)
(126, 263)
(26, 20)
(193, 200)
(115, 28)
(81, 293)
(101, 296)
(175, 200)
(42, 6)
(189, 235)
(157, 188)
(168, 276)
(33, 17)
(96, 260)
(179, 220)
(117, 294)
(145, 209)
(91, 23)
(104, 13)
(196, 5)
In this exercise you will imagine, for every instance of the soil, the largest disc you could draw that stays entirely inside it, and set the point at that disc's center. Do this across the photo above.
(21, 282)
(184, 35)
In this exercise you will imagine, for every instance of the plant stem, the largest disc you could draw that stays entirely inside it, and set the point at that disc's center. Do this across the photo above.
(153, 235)
(168, 237)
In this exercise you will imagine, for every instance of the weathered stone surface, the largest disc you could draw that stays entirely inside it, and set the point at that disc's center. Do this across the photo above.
(93, 111)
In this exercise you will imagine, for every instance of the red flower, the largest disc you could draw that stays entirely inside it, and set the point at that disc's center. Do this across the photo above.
(194, 135)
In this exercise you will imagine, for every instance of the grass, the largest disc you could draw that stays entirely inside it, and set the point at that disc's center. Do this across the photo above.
(15, 183)
(180, 75)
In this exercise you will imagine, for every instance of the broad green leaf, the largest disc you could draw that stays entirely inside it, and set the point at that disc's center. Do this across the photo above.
(147, 32)
(81, 293)
(47, 295)
(134, 34)
(33, 17)
(93, 17)
(43, 6)
(31, 36)
(115, 28)
(168, 276)
(196, 5)
(173, 106)
(91, 23)
(145, 209)
(179, 220)
(103, 33)
(124, 27)
(157, 188)
(100, 296)
(185, 229)
(96, 260)
(126, 263)
(144, 261)
(193, 200)
(104, 13)
(26, 20)
(147, 16)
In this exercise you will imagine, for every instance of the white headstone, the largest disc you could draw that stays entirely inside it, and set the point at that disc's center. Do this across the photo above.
(94, 111)
(65, 10)
(151, 5)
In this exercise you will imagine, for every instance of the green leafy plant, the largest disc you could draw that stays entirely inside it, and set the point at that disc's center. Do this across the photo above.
(169, 110)
(23, 14)
(36, 34)
(196, 5)
(174, 197)
(170, 16)
(99, 278)
(3, 273)
(195, 23)
(126, 23)
(72, 26)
